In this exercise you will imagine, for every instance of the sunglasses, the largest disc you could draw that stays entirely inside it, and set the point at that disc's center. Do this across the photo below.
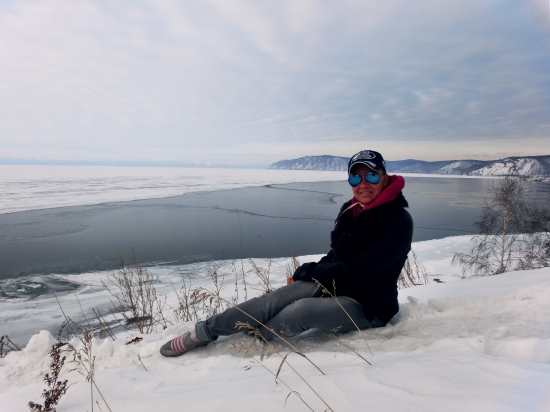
(371, 177)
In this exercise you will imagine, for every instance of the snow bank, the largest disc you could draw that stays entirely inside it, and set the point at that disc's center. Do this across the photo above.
(480, 344)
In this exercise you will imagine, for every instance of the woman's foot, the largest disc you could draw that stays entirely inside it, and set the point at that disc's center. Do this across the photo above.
(181, 344)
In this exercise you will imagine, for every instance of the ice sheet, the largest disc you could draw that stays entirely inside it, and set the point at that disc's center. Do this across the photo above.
(40, 187)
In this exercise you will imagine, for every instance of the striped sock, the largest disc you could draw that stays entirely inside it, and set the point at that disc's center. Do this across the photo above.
(181, 344)
(178, 346)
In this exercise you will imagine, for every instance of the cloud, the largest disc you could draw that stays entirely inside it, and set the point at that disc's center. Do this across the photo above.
(168, 80)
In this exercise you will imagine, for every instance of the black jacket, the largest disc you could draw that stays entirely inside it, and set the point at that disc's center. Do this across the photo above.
(367, 254)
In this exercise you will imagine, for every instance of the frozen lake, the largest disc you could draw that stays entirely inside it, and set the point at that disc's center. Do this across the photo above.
(268, 217)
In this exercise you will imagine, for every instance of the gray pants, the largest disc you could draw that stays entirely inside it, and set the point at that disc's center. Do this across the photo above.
(289, 310)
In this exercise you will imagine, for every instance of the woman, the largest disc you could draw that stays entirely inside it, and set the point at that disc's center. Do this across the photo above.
(369, 246)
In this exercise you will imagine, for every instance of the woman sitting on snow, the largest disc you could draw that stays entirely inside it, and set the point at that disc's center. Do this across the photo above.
(369, 246)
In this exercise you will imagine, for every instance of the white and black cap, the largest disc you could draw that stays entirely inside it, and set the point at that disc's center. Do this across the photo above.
(369, 158)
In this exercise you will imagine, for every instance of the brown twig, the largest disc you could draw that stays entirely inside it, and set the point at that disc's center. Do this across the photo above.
(139, 357)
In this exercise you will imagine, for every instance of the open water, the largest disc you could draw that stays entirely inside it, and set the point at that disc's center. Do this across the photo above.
(267, 221)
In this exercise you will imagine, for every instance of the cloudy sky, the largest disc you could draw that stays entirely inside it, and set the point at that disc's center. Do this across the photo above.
(252, 82)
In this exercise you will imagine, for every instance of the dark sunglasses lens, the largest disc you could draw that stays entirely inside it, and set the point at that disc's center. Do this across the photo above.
(354, 180)
(372, 178)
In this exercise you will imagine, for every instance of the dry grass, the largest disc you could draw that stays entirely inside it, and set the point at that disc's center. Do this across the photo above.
(186, 310)
(212, 302)
(333, 336)
(263, 276)
(133, 290)
(207, 295)
(83, 360)
(292, 266)
(284, 360)
(413, 273)
(104, 328)
(56, 388)
(333, 296)
(7, 345)
(136, 294)
(246, 349)
(242, 264)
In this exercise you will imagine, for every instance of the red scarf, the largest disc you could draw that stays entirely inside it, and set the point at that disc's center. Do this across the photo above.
(395, 186)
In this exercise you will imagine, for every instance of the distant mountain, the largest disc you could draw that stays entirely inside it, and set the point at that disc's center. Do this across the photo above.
(324, 162)
(527, 166)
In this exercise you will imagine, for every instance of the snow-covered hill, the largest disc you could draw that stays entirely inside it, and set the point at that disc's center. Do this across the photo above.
(532, 166)
(517, 166)
(324, 162)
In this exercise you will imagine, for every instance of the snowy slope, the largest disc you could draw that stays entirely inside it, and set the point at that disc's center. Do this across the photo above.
(460, 167)
(479, 344)
(525, 167)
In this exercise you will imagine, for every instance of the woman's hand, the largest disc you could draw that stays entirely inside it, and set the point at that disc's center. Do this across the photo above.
(302, 272)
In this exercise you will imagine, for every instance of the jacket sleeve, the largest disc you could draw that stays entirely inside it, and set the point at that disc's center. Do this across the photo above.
(329, 257)
(390, 246)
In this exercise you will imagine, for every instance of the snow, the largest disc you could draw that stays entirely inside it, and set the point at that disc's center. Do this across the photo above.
(476, 344)
(455, 167)
(526, 167)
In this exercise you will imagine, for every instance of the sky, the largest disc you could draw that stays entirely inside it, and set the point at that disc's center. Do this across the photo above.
(247, 83)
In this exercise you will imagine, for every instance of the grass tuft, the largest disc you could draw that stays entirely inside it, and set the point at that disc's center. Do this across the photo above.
(56, 388)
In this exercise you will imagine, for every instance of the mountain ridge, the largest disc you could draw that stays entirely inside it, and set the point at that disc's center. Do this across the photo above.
(521, 166)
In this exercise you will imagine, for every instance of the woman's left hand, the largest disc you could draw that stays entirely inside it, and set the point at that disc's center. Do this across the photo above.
(302, 271)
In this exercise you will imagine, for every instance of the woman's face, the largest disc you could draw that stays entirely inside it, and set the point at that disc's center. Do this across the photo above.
(366, 192)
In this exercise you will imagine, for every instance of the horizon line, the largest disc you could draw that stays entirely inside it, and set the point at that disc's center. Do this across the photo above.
(149, 163)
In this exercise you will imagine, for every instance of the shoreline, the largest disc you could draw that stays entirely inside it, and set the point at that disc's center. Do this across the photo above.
(39, 285)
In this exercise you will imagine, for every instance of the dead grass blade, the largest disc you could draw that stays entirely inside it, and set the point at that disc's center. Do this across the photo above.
(281, 366)
(254, 331)
(413, 273)
(84, 358)
(333, 336)
(137, 295)
(263, 276)
(325, 290)
(104, 328)
(292, 391)
(6, 342)
(208, 296)
(292, 266)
